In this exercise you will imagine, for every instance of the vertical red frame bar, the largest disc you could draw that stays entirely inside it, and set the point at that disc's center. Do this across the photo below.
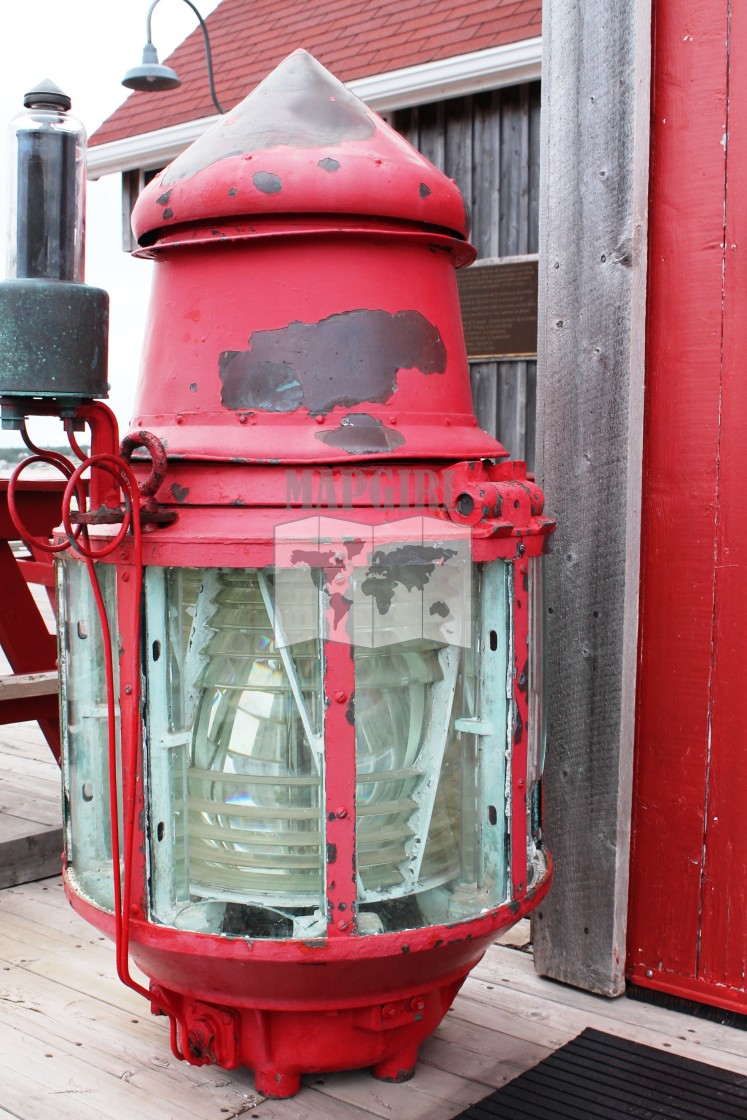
(129, 606)
(341, 878)
(681, 490)
(520, 706)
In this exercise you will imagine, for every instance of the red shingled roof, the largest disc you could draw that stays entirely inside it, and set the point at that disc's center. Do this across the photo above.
(353, 38)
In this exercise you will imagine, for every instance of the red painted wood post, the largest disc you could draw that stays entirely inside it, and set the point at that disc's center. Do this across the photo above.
(724, 893)
(687, 931)
(24, 638)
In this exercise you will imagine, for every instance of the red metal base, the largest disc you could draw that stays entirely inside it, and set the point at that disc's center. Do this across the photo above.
(280, 1046)
(287, 1008)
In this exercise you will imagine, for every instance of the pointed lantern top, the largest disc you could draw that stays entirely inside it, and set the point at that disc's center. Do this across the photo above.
(300, 143)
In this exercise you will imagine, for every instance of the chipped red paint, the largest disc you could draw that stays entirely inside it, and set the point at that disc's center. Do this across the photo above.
(318, 318)
(307, 369)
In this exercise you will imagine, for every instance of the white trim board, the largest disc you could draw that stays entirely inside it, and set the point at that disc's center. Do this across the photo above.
(462, 74)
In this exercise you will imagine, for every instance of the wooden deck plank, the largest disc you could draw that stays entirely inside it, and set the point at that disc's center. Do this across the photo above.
(433, 1094)
(31, 768)
(46, 1081)
(12, 828)
(33, 810)
(11, 750)
(492, 1056)
(508, 980)
(26, 737)
(59, 994)
(25, 740)
(74, 973)
(26, 858)
(17, 784)
(14, 686)
(30, 806)
(120, 1046)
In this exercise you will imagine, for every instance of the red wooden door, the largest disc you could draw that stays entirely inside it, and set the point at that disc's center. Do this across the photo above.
(687, 931)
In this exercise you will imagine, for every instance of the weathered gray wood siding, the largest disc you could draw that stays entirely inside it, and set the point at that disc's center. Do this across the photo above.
(489, 144)
(592, 298)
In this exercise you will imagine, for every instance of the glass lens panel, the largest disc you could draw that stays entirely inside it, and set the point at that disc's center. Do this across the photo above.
(235, 747)
(431, 748)
(85, 752)
(238, 841)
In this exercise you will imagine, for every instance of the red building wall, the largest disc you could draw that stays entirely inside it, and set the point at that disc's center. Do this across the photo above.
(688, 914)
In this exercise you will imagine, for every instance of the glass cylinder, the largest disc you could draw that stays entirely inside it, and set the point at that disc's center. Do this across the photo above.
(47, 161)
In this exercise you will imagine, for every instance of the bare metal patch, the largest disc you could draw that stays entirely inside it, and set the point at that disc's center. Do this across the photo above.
(267, 182)
(299, 105)
(179, 493)
(361, 434)
(340, 361)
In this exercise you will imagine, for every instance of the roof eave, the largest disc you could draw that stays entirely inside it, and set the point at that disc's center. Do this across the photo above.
(508, 64)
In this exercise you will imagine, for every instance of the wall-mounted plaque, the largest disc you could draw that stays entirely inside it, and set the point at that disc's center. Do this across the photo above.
(499, 309)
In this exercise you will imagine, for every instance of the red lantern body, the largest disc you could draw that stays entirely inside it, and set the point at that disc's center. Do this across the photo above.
(330, 791)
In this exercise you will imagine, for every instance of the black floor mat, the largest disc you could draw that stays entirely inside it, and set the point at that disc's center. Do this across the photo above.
(599, 1077)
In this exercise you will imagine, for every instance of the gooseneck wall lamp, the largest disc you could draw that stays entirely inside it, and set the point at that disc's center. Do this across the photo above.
(299, 610)
(151, 76)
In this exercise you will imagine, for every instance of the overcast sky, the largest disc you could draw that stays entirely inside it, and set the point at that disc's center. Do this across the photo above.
(85, 46)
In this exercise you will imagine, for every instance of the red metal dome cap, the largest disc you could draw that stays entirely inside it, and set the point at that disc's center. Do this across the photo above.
(300, 143)
(305, 305)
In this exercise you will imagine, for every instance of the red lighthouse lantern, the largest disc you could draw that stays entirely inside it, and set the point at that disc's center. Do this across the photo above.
(320, 801)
